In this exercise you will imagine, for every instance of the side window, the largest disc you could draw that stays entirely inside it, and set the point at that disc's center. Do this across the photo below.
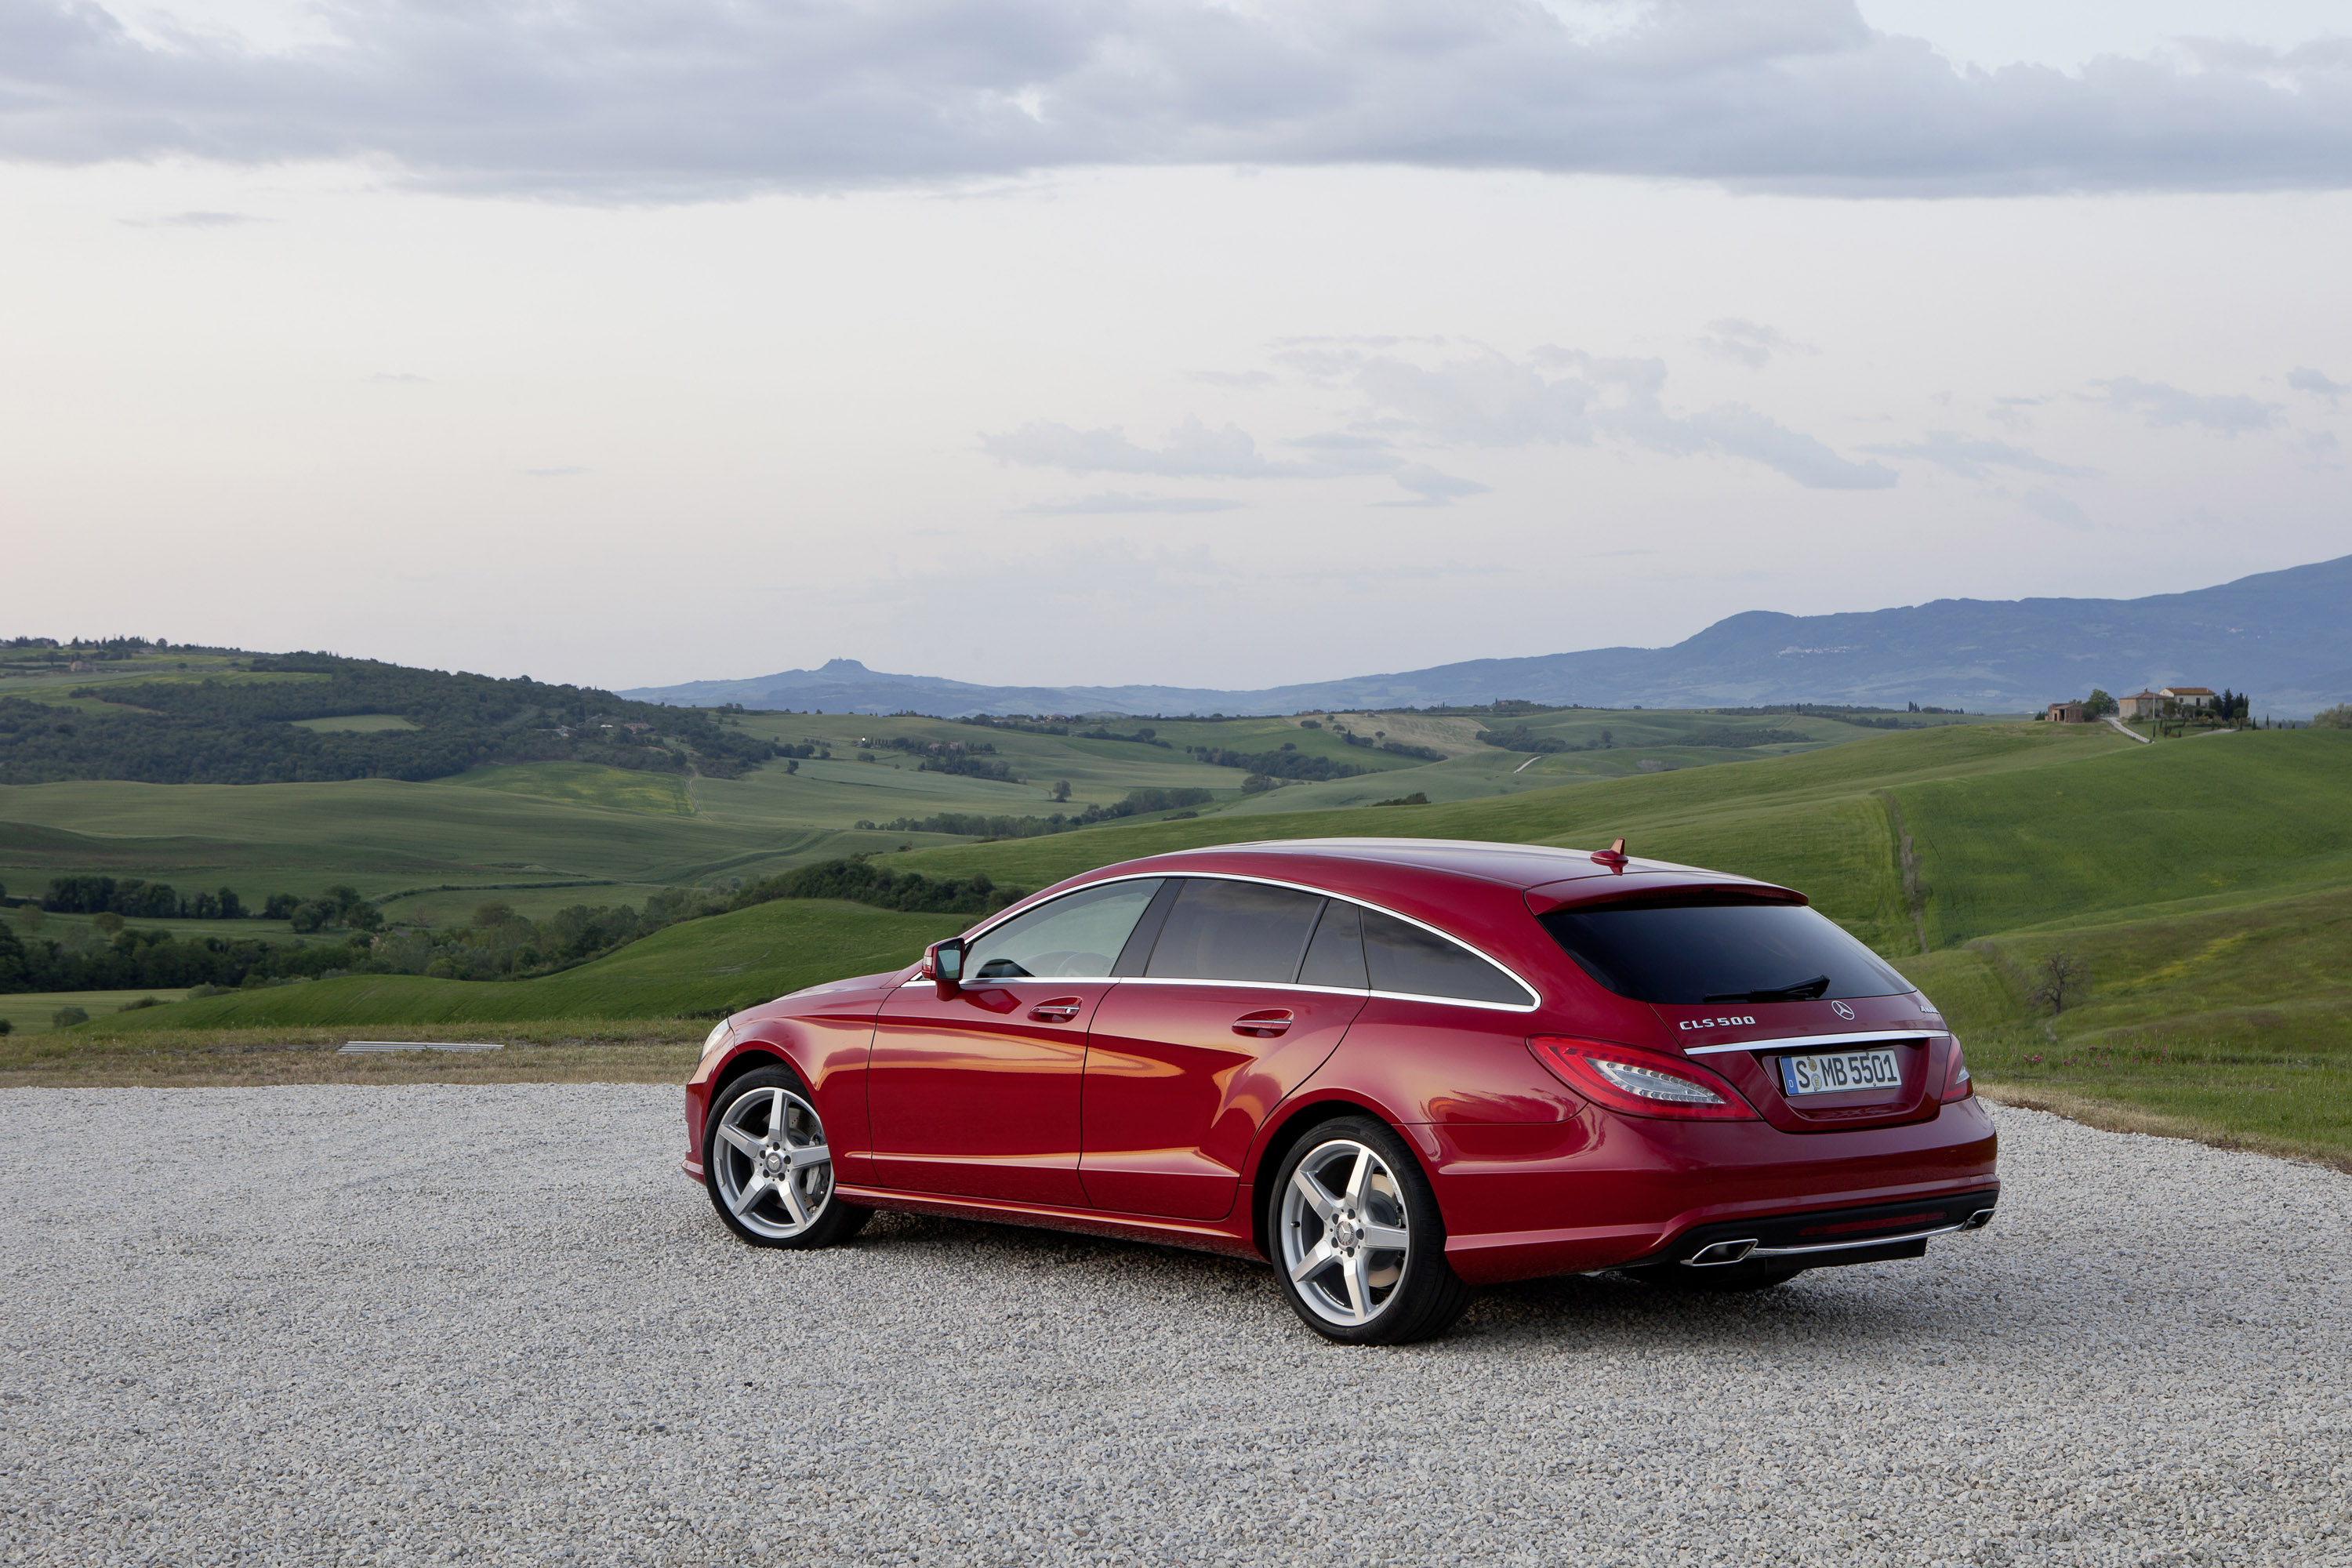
(1078, 935)
(1336, 956)
(1233, 931)
(1418, 963)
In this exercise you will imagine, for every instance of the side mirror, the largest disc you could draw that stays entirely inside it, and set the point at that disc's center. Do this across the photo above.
(943, 963)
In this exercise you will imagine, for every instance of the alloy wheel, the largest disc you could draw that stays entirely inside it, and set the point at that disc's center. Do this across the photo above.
(1346, 1237)
(774, 1172)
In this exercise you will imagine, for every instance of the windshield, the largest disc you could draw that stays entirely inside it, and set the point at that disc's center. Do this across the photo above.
(1697, 953)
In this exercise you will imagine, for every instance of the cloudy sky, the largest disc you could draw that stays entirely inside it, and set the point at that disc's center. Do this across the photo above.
(1074, 340)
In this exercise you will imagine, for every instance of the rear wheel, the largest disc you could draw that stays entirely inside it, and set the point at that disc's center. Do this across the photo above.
(1358, 1238)
(768, 1167)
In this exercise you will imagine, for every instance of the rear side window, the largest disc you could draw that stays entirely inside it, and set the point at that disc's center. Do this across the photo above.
(1697, 953)
(1419, 963)
(1233, 931)
(1336, 956)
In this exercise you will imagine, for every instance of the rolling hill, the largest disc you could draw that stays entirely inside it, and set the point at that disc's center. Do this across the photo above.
(2285, 635)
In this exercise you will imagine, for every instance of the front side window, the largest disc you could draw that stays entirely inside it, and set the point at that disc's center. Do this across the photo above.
(1696, 953)
(1079, 936)
(1235, 930)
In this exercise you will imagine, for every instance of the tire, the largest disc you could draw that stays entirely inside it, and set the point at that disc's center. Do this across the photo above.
(768, 1169)
(1729, 1279)
(1349, 1185)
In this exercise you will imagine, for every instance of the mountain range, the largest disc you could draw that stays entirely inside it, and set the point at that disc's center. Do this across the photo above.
(2285, 636)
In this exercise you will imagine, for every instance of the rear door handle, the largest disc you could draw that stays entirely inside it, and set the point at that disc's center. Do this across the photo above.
(1264, 1025)
(1060, 1010)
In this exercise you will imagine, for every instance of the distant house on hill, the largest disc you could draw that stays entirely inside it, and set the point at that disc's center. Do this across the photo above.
(2188, 696)
(2140, 704)
(2069, 713)
(81, 667)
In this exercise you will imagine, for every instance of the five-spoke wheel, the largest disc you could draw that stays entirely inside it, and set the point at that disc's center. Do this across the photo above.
(1358, 1241)
(770, 1171)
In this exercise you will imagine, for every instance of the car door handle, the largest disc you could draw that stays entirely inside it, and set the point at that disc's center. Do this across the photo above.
(1262, 1026)
(1060, 1010)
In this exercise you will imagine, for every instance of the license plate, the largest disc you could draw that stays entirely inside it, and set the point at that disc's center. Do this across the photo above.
(1837, 1073)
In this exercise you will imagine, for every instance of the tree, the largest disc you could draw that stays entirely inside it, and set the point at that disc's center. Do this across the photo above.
(2098, 704)
(2065, 978)
(1061, 789)
(306, 916)
(492, 912)
(2336, 717)
(110, 922)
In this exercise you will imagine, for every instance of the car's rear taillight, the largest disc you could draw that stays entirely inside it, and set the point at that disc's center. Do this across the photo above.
(1638, 1083)
(1956, 1078)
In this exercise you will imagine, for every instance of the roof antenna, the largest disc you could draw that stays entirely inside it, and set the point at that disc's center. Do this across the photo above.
(1614, 856)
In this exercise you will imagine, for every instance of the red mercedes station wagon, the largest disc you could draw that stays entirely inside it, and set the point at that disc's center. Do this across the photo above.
(1394, 1068)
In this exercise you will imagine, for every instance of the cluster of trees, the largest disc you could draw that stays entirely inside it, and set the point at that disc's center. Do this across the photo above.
(87, 959)
(497, 943)
(978, 825)
(137, 900)
(1289, 762)
(1519, 738)
(2336, 717)
(861, 882)
(1766, 736)
(1376, 743)
(245, 731)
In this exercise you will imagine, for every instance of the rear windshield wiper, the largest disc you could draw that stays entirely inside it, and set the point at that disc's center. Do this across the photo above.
(1802, 991)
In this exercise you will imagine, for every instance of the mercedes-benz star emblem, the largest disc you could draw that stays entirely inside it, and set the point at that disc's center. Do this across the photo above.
(1842, 1010)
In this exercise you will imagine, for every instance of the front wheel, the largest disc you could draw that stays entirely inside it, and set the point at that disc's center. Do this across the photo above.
(768, 1167)
(1358, 1238)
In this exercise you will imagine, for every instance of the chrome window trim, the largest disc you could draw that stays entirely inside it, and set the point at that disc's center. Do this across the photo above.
(1535, 997)
(1866, 1037)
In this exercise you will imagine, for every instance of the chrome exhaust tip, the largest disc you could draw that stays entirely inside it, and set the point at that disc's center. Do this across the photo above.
(1978, 1220)
(1714, 1254)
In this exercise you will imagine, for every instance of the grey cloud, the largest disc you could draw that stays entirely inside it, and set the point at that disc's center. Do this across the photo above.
(1749, 343)
(1119, 501)
(1493, 400)
(1971, 457)
(2303, 378)
(614, 100)
(2230, 414)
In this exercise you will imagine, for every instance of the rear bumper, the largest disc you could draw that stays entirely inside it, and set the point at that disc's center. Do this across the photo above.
(1604, 1192)
(1828, 1236)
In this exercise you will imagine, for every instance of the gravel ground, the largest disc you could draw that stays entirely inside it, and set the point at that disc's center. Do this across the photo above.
(494, 1324)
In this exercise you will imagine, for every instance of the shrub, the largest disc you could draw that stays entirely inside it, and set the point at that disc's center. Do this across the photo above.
(143, 1002)
(66, 1018)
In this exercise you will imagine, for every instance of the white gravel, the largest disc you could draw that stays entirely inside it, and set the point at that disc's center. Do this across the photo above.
(494, 1324)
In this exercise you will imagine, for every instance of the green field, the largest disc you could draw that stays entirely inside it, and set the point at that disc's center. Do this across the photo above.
(703, 967)
(29, 1012)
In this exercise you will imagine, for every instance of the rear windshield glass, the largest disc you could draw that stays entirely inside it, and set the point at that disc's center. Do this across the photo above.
(1720, 952)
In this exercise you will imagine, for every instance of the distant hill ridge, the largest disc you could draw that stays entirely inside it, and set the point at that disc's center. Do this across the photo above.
(2285, 636)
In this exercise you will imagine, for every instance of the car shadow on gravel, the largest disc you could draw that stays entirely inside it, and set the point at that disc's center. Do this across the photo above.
(1891, 1305)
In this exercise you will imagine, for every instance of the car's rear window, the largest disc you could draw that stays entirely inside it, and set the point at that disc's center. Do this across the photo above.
(1702, 953)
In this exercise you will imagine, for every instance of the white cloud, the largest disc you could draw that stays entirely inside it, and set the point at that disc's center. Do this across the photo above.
(1748, 342)
(2050, 507)
(1490, 399)
(1970, 457)
(1429, 488)
(2229, 414)
(602, 99)
(1113, 502)
(2303, 378)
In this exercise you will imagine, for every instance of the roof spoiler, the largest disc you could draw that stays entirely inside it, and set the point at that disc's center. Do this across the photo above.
(1657, 888)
